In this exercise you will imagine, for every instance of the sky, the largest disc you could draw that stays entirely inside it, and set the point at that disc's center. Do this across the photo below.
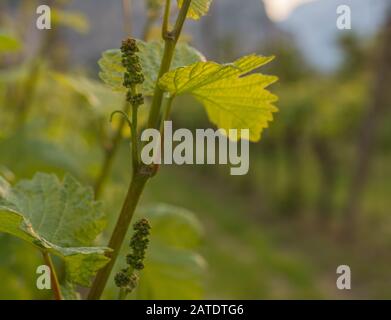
(279, 10)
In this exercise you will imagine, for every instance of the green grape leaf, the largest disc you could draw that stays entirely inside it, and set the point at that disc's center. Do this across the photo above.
(173, 268)
(232, 98)
(112, 71)
(59, 217)
(198, 8)
(74, 20)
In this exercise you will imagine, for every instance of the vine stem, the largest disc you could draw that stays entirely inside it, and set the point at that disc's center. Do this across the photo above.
(140, 177)
(170, 39)
(111, 150)
(166, 18)
(167, 106)
(132, 198)
(135, 139)
(53, 275)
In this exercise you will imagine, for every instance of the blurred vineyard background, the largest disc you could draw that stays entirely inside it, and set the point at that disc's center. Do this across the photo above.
(318, 191)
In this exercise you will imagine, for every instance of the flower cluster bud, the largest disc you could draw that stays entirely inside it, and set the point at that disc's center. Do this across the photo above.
(139, 244)
(135, 99)
(133, 75)
(127, 278)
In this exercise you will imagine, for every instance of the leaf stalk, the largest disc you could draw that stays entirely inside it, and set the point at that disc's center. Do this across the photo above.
(53, 275)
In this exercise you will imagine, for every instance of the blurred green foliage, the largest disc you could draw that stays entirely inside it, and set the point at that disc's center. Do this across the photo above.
(271, 234)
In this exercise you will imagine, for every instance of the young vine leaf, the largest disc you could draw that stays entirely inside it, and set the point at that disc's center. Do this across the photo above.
(198, 8)
(112, 70)
(59, 217)
(232, 98)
